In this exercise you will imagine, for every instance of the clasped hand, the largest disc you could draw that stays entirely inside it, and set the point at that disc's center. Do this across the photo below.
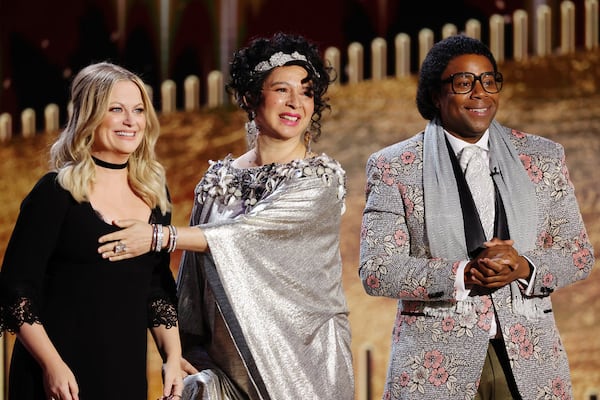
(496, 266)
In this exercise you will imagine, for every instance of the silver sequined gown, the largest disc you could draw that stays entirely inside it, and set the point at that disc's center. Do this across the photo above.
(266, 306)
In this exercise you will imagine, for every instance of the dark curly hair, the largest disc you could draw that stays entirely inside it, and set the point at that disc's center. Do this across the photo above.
(246, 84)
(435, 63)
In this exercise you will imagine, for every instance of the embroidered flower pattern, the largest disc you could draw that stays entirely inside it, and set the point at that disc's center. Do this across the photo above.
(556, 389)
(522, 343)
(430, 367)
(394, 239)
(228, 184)
(374, 269)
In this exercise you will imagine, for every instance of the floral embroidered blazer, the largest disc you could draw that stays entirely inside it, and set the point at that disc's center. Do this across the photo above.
(440, 355)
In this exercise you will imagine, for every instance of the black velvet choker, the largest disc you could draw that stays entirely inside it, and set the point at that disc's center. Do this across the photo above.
(105, 164)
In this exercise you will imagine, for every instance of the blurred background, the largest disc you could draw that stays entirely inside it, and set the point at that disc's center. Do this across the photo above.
(44, 43)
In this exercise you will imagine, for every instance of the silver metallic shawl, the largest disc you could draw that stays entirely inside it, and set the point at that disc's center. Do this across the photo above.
(276, 273)
(445, 229)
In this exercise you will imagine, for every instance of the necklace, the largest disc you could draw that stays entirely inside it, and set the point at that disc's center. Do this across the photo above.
(108, 165)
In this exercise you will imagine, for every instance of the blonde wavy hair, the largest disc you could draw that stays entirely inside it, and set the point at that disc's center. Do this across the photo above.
(70, 155)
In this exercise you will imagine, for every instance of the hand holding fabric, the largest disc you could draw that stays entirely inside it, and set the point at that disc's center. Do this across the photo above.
(172, 379)
(187, 368)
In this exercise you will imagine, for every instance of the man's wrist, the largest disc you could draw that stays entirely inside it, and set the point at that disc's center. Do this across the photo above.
(527, 267)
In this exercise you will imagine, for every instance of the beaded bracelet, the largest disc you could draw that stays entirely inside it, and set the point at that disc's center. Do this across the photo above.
(172, 238)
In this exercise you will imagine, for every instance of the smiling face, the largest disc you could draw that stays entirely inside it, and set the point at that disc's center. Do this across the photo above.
(123, 125)
(467, 116)
(288, 104)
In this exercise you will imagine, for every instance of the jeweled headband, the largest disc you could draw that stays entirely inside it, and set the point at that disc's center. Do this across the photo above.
(279, 59)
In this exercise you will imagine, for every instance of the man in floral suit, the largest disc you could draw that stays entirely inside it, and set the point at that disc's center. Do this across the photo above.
(474, 313)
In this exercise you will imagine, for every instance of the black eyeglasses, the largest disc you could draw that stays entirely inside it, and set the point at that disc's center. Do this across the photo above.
(464, 82)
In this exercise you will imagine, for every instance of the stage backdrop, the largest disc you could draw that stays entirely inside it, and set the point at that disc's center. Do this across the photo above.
(557, 98)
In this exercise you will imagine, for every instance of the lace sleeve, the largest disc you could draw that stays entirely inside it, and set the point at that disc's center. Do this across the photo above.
(162, 312)
(15, 314)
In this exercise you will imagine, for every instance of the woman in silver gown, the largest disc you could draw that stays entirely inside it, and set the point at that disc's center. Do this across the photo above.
(262, 310)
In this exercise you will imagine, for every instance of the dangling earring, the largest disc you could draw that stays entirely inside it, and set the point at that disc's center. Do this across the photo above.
(251, 131)
(307, 141)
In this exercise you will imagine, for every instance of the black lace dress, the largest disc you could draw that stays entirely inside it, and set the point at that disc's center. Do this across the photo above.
(96, 312)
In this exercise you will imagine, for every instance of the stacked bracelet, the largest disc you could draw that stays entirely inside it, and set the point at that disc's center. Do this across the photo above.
(159, 238)
(172, 238)
(154, 237)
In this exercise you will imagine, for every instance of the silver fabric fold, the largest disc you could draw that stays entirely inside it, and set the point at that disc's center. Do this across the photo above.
(274, 272)
(209, 384)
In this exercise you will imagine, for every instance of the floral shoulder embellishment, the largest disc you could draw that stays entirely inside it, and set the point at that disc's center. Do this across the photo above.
(228, 184)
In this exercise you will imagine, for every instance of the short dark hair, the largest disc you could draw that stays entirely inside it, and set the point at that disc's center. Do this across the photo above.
(245, 82)
(436, 61)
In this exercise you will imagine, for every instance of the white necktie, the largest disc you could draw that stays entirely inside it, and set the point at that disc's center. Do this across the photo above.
(477, 175)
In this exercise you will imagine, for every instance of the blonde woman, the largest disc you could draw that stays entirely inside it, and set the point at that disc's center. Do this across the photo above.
(81, 321)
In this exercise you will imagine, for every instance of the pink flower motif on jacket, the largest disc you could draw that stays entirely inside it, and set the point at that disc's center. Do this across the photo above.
(372, 273)
(547, 279)
(526, 160)
(558, 387)
(486, 304)
(565, 171)
(535, 174)
(522, 343)
(518, 134)
(373, 281)
(486, 314)
(448, 324)
(431, 367)
(438, 376)
(526, 349)
(420, 293)
(408, 203)
(485, 321)
(408, 157)
(382, 163)
(455, 268)
(581, 258)
(545, 240)
(404, 379)
(555, 389)
(433, 359)
(517, 333)
(413, 201)
(386, 176)
(400, 237)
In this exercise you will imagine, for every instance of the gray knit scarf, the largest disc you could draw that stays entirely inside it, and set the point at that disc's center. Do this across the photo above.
(443, 216)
